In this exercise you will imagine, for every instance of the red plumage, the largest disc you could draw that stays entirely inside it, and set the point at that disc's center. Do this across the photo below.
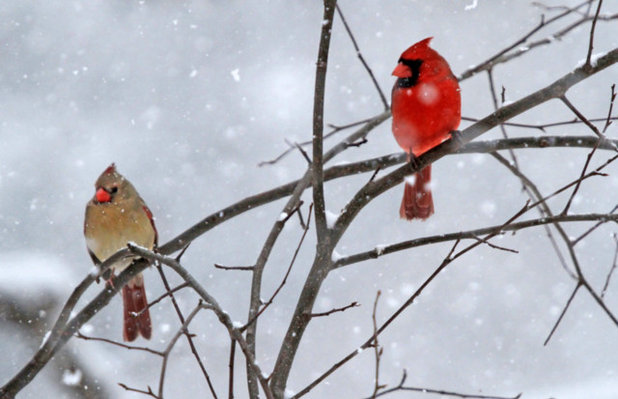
(136, 314)
(426, 108)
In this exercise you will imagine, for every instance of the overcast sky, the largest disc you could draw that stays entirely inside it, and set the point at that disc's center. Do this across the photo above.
(188, 97)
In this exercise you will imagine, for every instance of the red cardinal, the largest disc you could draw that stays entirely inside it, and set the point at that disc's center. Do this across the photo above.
(426, 107)
(115, 216)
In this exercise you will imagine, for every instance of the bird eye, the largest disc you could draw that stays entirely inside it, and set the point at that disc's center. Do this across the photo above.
(113, 190)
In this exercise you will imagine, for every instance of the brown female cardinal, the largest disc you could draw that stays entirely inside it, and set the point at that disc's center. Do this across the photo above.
(115, 216)
(426, 107)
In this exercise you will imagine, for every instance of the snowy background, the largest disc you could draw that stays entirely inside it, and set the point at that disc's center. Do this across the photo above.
(187, 97)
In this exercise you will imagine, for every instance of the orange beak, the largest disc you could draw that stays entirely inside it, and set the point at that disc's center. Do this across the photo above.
(102, 195)
(402, 71)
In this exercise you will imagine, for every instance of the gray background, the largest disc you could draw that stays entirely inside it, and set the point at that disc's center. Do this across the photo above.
(151, 86)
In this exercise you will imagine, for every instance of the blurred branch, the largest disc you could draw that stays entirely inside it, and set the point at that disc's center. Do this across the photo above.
(64, 328)
(492, 92)
(31, 319)
(536, 195)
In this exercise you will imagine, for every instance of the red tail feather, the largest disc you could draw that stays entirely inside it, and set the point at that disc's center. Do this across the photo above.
(134, 298)
(417, 202)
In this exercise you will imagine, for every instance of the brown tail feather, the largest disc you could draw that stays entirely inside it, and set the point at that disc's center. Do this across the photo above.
(417, 202)
(134, 298)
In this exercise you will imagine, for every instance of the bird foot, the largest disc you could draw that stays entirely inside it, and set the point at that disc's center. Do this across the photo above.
(457, 138)
(413, 161)
(109, 280)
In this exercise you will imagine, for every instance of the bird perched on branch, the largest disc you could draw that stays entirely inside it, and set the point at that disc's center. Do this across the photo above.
(426, 108)
(115, 216)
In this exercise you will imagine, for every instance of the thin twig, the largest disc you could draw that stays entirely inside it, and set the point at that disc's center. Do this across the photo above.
(593, 228)
(245, 268)
(212, 303)
(502, 56)
(402, 387)
(255, 300)
(373, 176)
(612, 269)
(285, 277)
(183, 330)
(494, 246)
(544, 126)
(303, 152)
(149, 392)
(334, 310)
(579, 181)
(544, 209)
(448, 259)
(335, 129)
(568, 303)
(469, 234)
(612, 98)
(591, 44)
(230, 387)
(581, 116)
(163, 296)
(376, 347)
(492, 92)
(120, 344)
(362, 59)
(186, 332)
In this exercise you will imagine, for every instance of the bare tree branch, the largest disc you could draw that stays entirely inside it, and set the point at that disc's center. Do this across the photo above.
(568, 303)
(612, 269)
(382, 250)
(223, 317)
(335, 310)
(377, 350)
(362, 59)
(120, 344)
(185, 331)
(594, 24)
